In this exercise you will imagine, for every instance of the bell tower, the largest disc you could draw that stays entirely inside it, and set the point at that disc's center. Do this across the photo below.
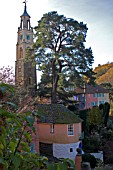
(25, 72)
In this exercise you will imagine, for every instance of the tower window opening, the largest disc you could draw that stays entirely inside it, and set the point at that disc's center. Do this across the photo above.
(30, 80)
(28, 37)
(21, 37)
(28, 25)
(21, 52)
(22, 24)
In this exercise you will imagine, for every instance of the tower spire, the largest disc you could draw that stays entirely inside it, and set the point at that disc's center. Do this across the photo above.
(25, 5)
(25, 9)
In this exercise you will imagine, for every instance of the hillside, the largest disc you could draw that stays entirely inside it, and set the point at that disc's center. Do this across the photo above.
(104, 74)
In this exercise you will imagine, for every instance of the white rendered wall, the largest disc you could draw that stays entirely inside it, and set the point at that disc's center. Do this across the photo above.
(98, 155)
(63, 150)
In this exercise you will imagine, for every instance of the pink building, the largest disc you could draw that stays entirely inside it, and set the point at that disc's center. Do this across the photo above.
(59, 130)
(91, 96)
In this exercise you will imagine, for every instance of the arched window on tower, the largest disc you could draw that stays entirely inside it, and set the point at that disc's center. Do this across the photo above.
(30, 80)
(28, 24)
(21, 52)
(21, 24)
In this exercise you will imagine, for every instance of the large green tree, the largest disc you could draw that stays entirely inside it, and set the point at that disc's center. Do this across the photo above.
(60, 44)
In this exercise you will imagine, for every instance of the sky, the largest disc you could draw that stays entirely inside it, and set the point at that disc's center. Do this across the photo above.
(97, 14)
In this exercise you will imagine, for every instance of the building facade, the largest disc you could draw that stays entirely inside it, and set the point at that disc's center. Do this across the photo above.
(91, 96)
(59, 131)
(25, 72)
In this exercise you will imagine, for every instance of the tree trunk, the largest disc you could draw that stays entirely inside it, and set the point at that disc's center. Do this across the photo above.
(54, 90)
(55, 80)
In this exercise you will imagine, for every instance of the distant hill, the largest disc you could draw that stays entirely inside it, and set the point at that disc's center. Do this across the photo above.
(104, 74)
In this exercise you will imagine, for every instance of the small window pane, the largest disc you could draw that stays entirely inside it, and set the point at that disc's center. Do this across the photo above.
(70, 129)
(52, 128)
(71, 149)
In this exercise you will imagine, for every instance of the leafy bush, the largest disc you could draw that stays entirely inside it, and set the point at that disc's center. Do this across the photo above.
(90, 144)
(89, 158)
(106, 167)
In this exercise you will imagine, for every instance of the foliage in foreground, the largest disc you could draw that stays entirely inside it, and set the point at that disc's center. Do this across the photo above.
(7, 75)
(15, 140)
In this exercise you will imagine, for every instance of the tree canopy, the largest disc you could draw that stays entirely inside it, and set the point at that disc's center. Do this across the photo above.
(95, 116)
(60, 46)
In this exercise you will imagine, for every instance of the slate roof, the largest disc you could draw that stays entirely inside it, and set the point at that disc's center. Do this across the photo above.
(25, 12)
(90, 89)
(55, 113)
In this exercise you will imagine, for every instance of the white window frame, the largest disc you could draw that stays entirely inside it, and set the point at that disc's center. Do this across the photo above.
(70, 129)
(52, 128)
(101, 102)
(94, 104)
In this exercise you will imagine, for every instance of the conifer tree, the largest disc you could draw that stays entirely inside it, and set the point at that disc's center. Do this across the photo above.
(60, 47)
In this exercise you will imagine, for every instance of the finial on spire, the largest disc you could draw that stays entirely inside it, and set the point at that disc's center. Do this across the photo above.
(25, 1)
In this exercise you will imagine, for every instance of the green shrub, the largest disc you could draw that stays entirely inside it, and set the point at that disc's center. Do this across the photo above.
(90, 144)
(89, 158)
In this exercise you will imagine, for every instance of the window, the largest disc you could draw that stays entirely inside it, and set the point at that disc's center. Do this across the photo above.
(76, 98)
(28, 37)
(95, 95)
(52, 128)
(102, 94)
(21, 37)
(71, 88)
(30, 81)
(21, 52)
(93, 103)
(101, 102)
(71, 149)
(19, 69)
(70, 129)
(98, 95)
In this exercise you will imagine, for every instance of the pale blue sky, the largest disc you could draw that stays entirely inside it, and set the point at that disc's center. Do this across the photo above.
(97, 14)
